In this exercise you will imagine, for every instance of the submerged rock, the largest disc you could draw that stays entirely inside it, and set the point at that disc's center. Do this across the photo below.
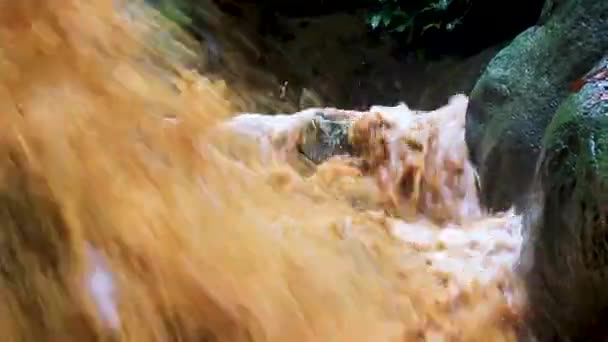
(325, 137)
(418, 160)
(565, 260)
(521, 88)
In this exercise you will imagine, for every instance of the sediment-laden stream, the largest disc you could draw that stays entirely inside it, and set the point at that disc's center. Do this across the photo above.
(137, 207)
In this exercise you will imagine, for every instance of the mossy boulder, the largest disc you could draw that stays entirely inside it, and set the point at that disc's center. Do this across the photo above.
(565, 258)
(515, 98)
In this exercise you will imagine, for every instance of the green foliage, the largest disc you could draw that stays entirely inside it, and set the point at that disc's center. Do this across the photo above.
(174, 11)
(416, 17)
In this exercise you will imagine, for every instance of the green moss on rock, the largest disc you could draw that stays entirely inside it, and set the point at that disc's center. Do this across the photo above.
(520, 90)
(567, 220)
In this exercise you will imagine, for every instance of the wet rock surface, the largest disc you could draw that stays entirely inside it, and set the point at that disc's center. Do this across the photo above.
(520, 90)
(325, 137)
(565, 259)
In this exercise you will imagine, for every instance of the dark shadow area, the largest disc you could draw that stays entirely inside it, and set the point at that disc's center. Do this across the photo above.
(486, 23)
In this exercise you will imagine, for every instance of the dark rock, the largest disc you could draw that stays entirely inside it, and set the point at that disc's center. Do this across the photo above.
(521, 88)
(325, 137)
(445, 78)
(565, 257)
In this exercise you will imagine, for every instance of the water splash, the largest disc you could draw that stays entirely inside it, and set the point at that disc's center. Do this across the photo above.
(109, 141)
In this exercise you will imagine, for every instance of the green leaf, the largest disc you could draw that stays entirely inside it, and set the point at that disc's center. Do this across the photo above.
(374, 21)
(438, 6)
(401, 28)
(386, 20)
(451, 25)
(435, 25)
(399, 16)
(399, 13)
(443, 4)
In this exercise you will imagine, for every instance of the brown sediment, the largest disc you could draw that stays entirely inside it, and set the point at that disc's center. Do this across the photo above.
(125, 219)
